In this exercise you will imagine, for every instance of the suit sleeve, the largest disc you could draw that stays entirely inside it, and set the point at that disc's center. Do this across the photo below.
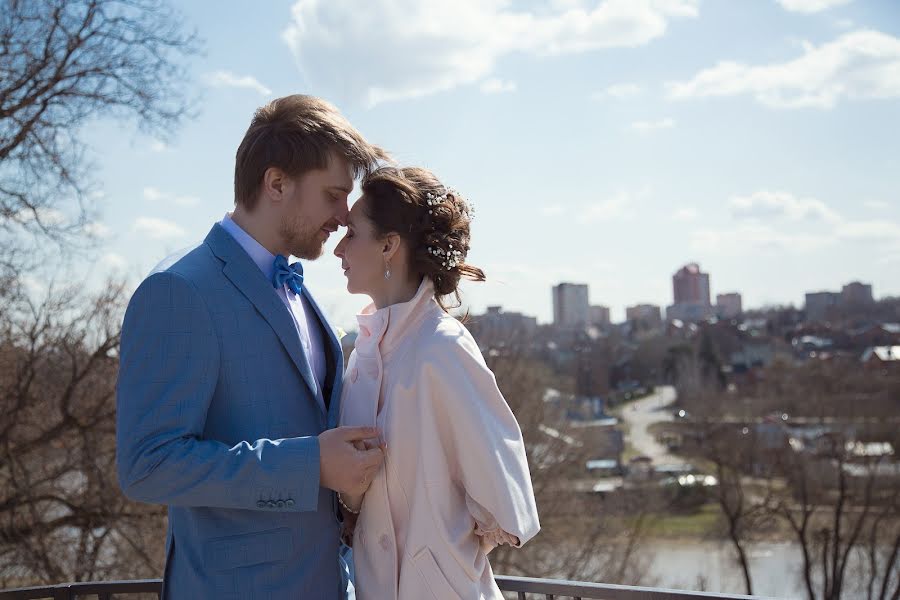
(168, 368)
(481, 439)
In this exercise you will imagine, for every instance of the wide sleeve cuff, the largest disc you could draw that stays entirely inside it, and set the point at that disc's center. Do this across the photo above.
(487, 528)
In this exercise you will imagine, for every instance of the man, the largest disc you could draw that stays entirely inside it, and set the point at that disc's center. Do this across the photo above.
(230, 376)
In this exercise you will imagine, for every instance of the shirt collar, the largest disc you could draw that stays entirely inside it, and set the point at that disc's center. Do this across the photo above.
(264, 259)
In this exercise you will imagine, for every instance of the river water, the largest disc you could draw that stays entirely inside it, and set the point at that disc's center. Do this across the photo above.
(776, 569)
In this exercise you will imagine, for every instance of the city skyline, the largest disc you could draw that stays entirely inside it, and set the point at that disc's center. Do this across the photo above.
(619, 140)
(572, 301)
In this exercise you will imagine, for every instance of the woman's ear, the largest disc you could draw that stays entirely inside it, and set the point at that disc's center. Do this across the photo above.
(391, 246)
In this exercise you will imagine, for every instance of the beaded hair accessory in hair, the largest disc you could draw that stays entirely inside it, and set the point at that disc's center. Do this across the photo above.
(449, 258)
(433, 200)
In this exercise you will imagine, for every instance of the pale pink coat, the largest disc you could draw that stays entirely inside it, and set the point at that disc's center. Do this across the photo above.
(455, 459)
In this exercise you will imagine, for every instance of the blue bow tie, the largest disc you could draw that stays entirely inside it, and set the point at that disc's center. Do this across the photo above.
(292, 275)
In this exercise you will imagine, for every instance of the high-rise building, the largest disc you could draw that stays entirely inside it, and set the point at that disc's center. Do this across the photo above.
(822, 306)
(729, 306)
(648, 315)
(599, 315)
(690, 288)
(690, 285)
(570, 305)
(817, 304)
(501, 325)
(856, 293)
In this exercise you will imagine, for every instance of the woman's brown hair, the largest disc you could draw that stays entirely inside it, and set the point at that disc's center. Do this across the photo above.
(432, 219)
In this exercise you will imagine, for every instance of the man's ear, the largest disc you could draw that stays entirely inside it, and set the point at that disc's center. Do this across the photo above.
(273, 183)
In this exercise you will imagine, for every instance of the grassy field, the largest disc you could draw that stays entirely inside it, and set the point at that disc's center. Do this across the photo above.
(703, 524)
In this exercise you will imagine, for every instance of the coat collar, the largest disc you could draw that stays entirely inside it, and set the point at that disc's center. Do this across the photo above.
(381, 330)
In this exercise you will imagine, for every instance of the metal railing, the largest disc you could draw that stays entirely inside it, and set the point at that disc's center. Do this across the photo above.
(524, 587)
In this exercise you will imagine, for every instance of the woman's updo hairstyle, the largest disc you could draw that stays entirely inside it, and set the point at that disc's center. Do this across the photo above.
(432, 219)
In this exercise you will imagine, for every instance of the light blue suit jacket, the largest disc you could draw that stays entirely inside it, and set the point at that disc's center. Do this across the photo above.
(217, 418)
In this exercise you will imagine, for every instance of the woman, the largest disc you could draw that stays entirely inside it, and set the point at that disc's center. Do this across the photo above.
(455, 481)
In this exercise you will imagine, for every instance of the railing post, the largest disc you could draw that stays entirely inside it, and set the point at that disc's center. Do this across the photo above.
(61, 593)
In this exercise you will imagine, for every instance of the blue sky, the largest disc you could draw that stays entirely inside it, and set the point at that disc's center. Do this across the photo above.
(601, 142)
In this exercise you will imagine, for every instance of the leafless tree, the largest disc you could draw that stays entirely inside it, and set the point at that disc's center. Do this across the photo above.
(62, 516)
(582, 537)
(64, 64)
(839, 510)
(732, 453)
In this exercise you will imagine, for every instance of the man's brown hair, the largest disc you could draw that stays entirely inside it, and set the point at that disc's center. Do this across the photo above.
(297, 134)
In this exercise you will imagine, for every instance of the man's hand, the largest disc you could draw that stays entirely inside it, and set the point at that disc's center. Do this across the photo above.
(349, 458)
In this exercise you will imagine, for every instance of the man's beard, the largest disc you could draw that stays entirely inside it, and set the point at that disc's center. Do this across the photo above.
(302, 241)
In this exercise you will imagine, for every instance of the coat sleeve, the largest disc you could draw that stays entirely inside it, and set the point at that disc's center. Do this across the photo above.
(168, 368)
(481, 439)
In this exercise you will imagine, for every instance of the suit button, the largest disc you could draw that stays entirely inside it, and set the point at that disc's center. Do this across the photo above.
(289, 503)
(270, 504)
(280, 504)
(261, 504)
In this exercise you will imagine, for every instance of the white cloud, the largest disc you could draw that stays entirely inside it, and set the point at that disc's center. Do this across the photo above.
(877, 204)
(157, 229)
(97, 230)
(869, 230)
(498, 86)
(552, 210)
(651, 126)
(778, 220)
(766, 205)
(33, 285)
(51, 217)
(158, 146)
(540, 275)
(843, 23)
(114, 261)
(229, 79)
(811, 6)
(687, 213)
(619, 91)
(399, 49)
(755, 237)
(152, 194)
(857, 65)
(619, 206)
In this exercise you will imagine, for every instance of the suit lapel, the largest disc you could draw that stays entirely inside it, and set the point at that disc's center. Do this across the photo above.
(246, 277)
(333, 347)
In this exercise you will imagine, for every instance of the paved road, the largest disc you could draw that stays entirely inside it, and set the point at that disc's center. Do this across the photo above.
(640, 415)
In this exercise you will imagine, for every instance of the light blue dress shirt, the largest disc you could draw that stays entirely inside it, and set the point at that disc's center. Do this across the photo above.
(302, 313)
